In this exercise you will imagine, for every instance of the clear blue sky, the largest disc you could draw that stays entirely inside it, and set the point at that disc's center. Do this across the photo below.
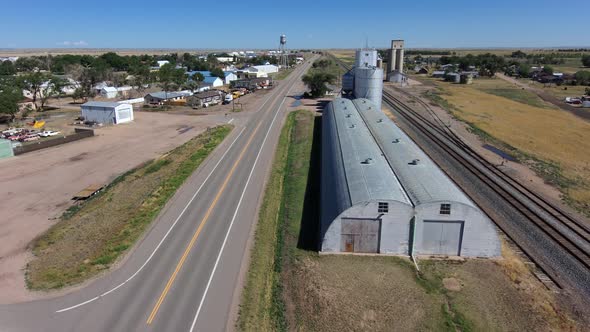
(307, 24)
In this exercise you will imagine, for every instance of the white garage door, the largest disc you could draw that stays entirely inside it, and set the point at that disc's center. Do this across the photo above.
(124, 115)
(442, 237)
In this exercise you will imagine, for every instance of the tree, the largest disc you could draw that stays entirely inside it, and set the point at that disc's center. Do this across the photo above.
(194, 83)
(583, 77)
(7, 68)
(524, 70)
(32, 82)
(518, 54)
(170, 77)
(586, 60)
(79, 93)
(10, 96)
(548, 70)
(53, 88)
(217, 73)
(316, 82)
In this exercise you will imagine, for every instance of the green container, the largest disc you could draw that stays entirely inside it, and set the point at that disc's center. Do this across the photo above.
(5, 149)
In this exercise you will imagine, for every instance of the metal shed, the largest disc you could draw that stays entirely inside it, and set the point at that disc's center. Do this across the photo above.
(107, 112)
(446, 221)
(364, 208)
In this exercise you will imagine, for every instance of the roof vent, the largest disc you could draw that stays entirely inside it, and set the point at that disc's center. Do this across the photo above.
(367, 161)
(345, 107)
(380, 120)
(369, 107)
(364, 101)
(348, 115)
(414, 162)
(395, 140)
(352, 126)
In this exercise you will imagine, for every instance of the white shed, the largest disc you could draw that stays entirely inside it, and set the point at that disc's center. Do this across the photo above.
(107, 112)
(108, 92)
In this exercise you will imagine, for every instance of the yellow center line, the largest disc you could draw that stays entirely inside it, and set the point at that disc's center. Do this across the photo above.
(198, 231)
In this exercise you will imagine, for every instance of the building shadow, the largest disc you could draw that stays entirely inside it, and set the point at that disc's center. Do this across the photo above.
(310, 220)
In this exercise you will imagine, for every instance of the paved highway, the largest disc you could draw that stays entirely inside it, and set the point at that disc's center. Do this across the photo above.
(183, 274)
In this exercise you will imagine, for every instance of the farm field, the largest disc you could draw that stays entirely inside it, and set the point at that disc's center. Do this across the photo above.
(555, 143)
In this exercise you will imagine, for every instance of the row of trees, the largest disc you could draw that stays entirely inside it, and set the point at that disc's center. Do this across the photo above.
(488, 64)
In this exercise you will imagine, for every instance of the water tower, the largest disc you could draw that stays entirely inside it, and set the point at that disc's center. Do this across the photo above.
(283, 56)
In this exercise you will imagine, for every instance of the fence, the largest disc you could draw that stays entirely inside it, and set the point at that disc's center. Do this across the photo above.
(79, 134)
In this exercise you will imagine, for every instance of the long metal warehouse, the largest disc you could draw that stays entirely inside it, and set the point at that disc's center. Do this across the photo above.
(364, 208)
(442, 220)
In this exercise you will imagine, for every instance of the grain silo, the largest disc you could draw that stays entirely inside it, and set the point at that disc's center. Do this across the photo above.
(366, 58)
(368, 83)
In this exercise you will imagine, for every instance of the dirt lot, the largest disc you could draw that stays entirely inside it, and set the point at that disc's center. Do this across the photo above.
(37, 187)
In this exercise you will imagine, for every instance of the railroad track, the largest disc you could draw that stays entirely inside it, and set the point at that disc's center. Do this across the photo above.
(569, 233)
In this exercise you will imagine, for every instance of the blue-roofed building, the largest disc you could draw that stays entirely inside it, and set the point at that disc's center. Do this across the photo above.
(211, 80)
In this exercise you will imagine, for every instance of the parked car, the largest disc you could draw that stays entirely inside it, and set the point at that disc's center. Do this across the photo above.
(48, 133)
(29, 138)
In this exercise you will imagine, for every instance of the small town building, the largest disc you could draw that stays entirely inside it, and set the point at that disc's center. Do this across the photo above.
(229, 77)
(205, 99)
(107, 112)
(252, 83)
(162, 97)
(162, 62)
(214, 81)
(124, 91)
(109, 92)
(438, 74)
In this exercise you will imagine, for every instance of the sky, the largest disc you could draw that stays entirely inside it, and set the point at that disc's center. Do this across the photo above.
(230, 24)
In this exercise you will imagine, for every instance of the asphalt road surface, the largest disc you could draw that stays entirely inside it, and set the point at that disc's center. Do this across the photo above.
(183, 275)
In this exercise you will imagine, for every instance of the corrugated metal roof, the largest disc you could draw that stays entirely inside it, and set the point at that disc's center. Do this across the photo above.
(424, 182)
(100, 104)
(163, 95)
(367, 172)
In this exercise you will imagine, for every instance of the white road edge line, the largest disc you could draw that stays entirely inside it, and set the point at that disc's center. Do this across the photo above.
(236, 213)
(169, 230)
(165, 235)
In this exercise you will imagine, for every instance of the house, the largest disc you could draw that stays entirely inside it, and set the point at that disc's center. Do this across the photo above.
(250, 72)
(225, 59)
(162, 97)
(267, 68)
(107, 112)
(214, 81)
(124, 90)
(252, 83)
(209, 79)
(438, 74)
(162, 62)
(205, 99)
(108, 92)
(229, 77)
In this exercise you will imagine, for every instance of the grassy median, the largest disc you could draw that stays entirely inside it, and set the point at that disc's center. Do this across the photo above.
(90, 237)
(262, 306)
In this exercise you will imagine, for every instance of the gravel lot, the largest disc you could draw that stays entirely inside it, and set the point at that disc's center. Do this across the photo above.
(37, 187)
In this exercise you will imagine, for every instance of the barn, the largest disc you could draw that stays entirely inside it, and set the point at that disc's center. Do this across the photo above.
(364, 207)
(107, 112)
(441, 220)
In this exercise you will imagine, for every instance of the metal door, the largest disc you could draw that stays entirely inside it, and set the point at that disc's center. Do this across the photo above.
(442, 237)
(360, 235)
